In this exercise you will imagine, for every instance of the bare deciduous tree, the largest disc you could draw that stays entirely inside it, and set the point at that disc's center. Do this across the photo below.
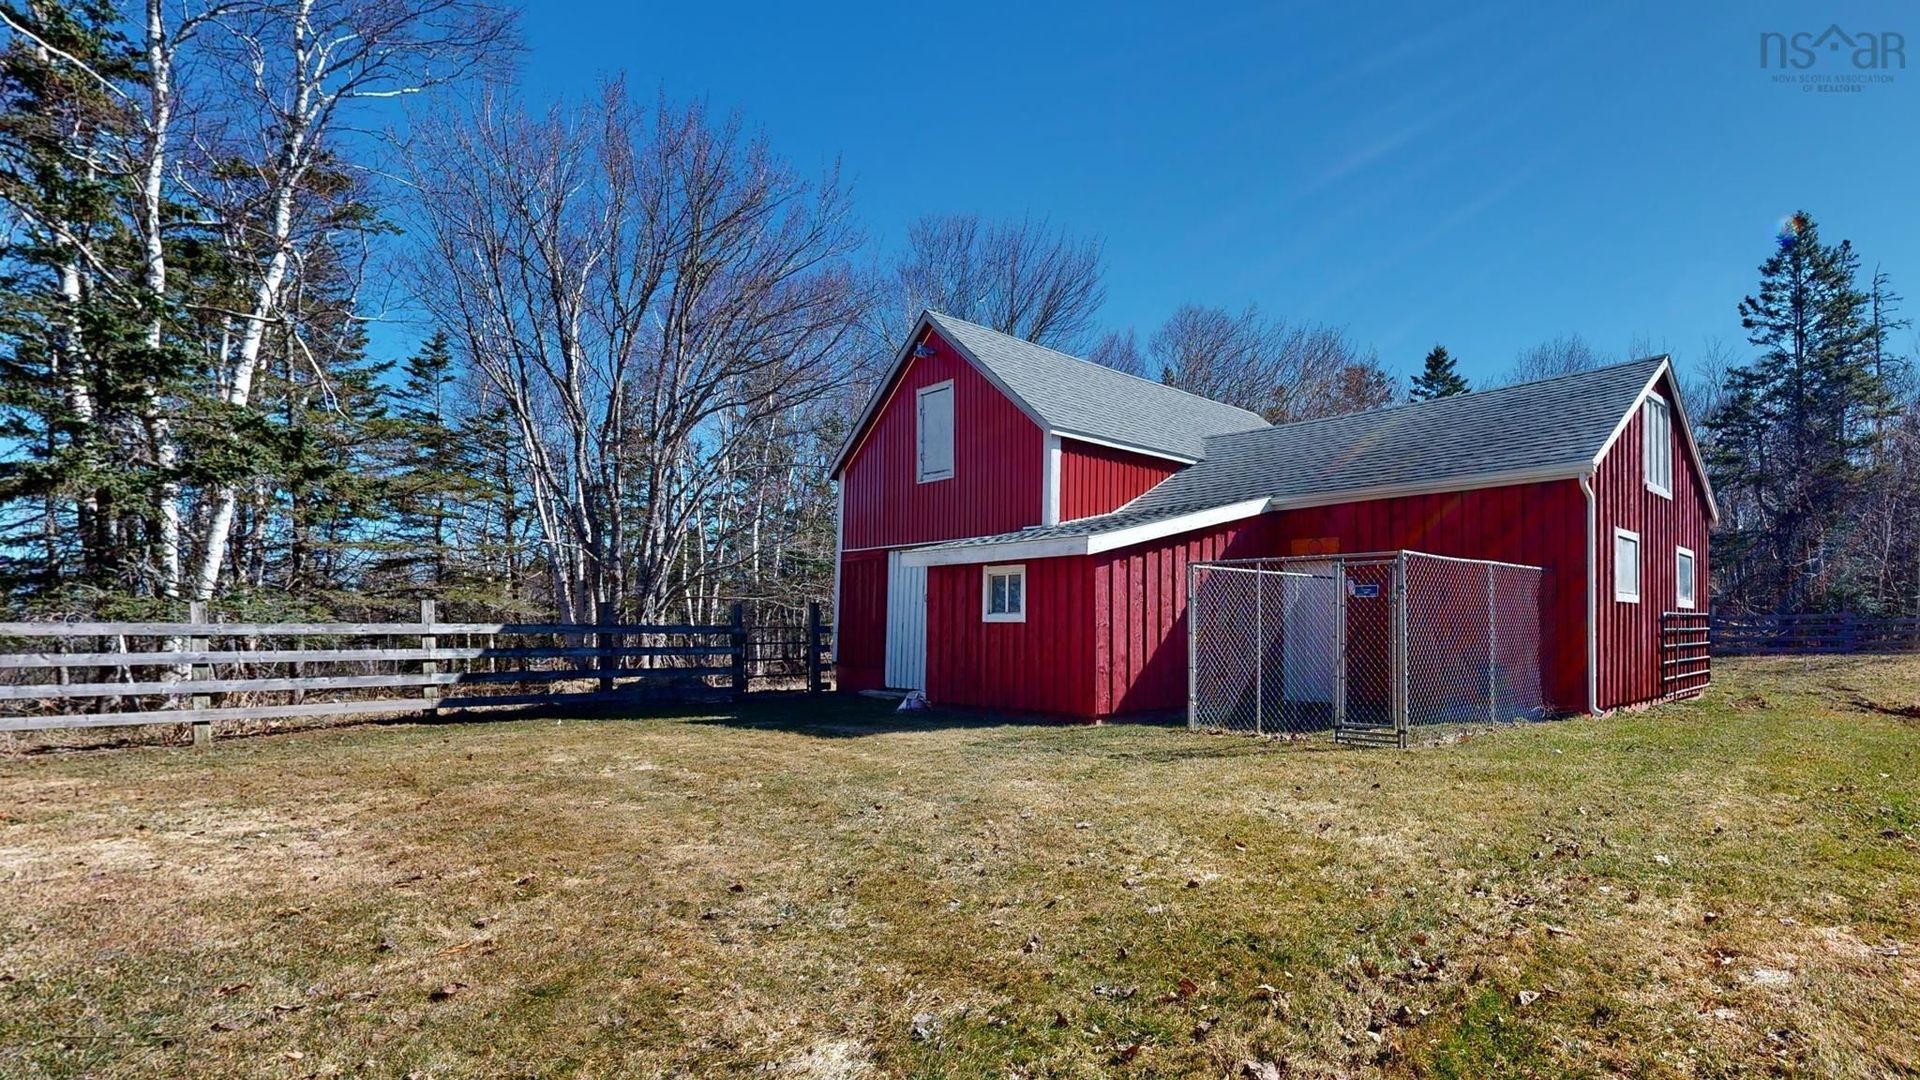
(1563, 355)
(1019, 277)
(648, 292)
(1281, 371)
(1121, 352)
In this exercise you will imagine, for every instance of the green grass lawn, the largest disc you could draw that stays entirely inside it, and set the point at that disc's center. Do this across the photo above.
(821, 889)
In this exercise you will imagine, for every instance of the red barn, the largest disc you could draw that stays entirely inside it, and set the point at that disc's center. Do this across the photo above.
(1016, 523)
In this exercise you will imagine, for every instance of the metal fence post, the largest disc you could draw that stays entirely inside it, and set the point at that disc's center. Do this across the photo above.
(816, 678)
(1342, 598)
(1400, 650)
(1493, 652)
(737, 643)
(430, 693)
(202, 729)
(1259, 650)
(1193, 641)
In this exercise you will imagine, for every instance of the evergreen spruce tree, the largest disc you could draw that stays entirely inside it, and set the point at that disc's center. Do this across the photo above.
(1795, 437)
(1438, 378)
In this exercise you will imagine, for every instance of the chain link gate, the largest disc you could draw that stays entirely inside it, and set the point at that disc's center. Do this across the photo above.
(1362, 648)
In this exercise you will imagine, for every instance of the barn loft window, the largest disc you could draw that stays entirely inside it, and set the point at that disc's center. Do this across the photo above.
(934, 429)
(1004, 594)
(1659, 448)
(1683, 579)
(1626, 566)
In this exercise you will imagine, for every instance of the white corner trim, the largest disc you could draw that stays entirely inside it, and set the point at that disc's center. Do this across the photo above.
(1050, 481)
(1593, 599)
(987, 574)
(839, 555)
(1620, 595)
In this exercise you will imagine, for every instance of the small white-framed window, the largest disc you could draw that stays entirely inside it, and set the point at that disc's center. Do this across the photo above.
(1003, 594)
(933, 431)
(1685, 580)
(1626, 566)
(1657, 424)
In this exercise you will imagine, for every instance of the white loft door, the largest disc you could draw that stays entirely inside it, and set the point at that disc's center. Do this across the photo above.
(906, 625)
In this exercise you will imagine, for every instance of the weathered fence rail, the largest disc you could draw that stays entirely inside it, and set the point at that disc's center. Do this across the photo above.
(202, 671)
(1841, 632)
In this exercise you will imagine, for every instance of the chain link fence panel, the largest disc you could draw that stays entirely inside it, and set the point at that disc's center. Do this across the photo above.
(1378, 649)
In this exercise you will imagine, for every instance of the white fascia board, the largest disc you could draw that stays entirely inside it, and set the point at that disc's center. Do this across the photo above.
(1173, 526)
(1013, 550)
(1006, 551)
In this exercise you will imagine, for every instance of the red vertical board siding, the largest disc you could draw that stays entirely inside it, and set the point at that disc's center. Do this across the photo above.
(998, 468)
(1100, 479)
(997, 463)
(1139, 618)
(1040, 665)
(1140, 593)
(1629, 633)
(861, 628)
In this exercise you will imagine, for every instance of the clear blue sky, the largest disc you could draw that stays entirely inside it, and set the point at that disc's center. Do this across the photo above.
(1483, 176)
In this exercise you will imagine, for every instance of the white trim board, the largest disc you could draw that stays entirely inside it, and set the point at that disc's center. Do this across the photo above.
(1092, 544)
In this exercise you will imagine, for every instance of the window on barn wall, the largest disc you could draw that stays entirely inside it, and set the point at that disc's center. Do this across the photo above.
(935, 432)
(1659, 449)
(1003, 595)
(1683, 579)
(1626, 566)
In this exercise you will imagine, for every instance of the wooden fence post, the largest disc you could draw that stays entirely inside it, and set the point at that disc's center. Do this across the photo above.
(202, 729)
(429, 642)
(737, 642)
(604, 613)
(816, 680)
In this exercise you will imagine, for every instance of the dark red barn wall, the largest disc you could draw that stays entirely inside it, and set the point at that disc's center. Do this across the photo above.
(1100, 479)
(1629, 633)
(1139, 614)
(1040, 665)
(1542, 524)
(860, 660)
(997, 453)
(999, 459)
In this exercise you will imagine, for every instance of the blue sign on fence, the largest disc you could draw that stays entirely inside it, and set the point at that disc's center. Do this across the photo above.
(1364, 592)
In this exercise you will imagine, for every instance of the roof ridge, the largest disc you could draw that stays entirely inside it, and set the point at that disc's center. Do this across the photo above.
(1092, 363)
(1400, 406)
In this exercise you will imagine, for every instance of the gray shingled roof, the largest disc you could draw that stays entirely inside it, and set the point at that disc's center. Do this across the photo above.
(1554, 424)
(1079, 397)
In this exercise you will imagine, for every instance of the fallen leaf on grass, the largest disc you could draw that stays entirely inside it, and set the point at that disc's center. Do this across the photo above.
(1263, 1070)
(1527, 997)
(442, 993)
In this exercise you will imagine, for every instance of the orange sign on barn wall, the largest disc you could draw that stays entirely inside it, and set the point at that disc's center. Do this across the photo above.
(1316, 545)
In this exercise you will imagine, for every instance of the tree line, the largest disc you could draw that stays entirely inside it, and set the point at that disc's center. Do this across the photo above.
(649, 333)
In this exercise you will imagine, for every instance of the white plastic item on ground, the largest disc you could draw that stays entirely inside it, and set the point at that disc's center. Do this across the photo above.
(915, 700)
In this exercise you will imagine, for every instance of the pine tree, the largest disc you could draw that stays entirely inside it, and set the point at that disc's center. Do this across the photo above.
(1438, 378)
(1795, 438)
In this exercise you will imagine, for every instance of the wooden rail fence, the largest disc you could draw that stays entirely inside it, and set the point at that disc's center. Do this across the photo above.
(371, 668)
(1840, 632)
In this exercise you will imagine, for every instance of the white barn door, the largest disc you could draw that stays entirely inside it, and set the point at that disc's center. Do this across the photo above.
(906, 624)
